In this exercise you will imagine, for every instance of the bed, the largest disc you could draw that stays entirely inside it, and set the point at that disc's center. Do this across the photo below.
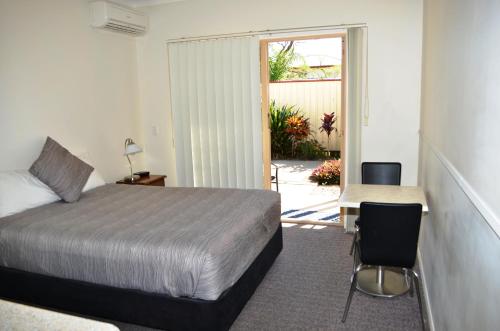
(169, 258)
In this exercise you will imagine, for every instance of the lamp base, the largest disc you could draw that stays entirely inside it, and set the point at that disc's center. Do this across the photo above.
(132, 179)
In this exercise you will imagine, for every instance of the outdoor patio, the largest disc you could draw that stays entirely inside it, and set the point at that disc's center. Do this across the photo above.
(301, 199)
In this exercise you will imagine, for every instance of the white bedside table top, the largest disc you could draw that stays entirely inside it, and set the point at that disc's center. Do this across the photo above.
(15, 316)
(354, 194)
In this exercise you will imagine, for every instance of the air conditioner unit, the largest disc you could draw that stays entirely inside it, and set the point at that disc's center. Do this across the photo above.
(108, 15)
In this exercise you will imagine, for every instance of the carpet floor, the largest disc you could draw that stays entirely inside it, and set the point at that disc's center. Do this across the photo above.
(307, 287)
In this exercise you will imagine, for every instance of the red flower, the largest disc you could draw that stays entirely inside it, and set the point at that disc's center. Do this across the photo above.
(327, 173)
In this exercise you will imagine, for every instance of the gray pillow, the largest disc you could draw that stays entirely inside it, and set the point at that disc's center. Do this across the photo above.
(60, 170)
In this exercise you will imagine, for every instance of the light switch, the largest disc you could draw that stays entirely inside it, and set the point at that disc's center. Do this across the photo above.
(155, 130)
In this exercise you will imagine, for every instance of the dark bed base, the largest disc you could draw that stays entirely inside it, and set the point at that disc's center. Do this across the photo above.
(133, 306)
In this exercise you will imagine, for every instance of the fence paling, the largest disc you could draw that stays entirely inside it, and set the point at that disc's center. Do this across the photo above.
(314, 99)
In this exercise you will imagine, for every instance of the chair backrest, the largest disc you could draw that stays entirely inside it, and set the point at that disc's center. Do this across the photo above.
(381, 173)
(389, 233)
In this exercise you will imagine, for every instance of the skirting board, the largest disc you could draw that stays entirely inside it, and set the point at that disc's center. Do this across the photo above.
(425, 292)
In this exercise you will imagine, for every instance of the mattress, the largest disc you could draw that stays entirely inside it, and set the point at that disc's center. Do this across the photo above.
(183, 242)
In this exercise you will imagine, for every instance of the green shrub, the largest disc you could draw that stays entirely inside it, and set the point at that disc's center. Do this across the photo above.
(289, 135)
(280, 61)
(310, 150)
(281, 140)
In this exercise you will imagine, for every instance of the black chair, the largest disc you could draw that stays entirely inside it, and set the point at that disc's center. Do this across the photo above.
(274, 179)
(378, 173)
(381, 173)
(388, 238)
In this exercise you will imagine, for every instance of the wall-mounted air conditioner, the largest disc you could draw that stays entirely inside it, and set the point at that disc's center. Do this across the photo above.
(108, 15)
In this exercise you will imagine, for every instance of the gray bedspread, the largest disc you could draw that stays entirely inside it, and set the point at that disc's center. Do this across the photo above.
(192, 242)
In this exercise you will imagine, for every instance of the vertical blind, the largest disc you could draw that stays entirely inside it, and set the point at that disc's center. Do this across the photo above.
(215, 95)
(357, 99)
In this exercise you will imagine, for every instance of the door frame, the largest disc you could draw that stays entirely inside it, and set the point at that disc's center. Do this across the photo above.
(266, 125)
(264, 81)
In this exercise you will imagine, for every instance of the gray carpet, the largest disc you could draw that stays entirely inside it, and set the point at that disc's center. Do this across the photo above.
(307, 287)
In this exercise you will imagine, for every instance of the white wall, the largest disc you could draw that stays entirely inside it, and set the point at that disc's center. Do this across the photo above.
(460, 251)
(395, 28)
(60, 77)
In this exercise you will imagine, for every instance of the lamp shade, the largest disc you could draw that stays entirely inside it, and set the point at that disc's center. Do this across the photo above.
(131, 147)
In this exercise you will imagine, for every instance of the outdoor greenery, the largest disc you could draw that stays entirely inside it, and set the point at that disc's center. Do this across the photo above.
(298, 129)
(327, 173)
(281, 143)
(315, 73)
(283, 65)
(280, 61)
(290, 134)
(310, 149)
(327, 125)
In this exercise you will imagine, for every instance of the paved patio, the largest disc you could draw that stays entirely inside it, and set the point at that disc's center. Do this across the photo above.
(301, 199)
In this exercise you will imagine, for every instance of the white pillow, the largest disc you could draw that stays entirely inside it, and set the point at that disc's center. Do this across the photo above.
(95, 180)
(20, 190)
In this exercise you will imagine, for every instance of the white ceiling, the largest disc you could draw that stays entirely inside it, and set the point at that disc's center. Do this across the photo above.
(143, 3)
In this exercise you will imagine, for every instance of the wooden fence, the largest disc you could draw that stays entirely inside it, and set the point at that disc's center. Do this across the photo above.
(314, 98)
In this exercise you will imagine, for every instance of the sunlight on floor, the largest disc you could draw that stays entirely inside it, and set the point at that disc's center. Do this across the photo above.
(307, 226)
(303, 200)
(304, 226)
(319, 227)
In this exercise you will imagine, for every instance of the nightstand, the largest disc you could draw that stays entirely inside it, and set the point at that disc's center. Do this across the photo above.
(151, 180)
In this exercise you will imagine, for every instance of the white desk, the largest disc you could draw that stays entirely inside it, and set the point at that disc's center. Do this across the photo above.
(354, 194)
(379, 281)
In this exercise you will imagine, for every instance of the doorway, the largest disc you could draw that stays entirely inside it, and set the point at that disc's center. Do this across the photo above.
(303, 108)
